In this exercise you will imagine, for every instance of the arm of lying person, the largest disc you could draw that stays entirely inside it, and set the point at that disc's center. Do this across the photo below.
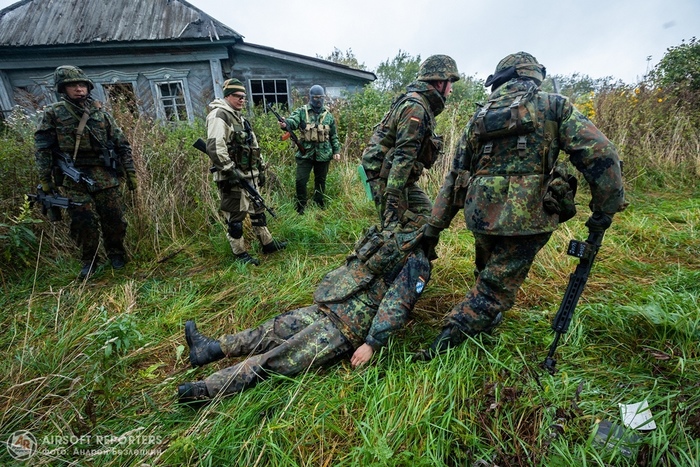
(362, 355)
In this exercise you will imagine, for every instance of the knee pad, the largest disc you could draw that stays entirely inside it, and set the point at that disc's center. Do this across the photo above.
(258, 220)
(235, 229)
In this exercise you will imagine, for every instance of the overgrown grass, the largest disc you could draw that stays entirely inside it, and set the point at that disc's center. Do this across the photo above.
(104, 357)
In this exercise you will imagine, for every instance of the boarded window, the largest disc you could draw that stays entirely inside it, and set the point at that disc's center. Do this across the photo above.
(172, 101)
(269, 91)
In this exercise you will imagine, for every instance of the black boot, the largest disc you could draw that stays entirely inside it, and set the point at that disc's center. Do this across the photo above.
(273, 246)
(245, 258)
(117, 261)
(203, 349)
(87, 270)
(192, 392)
(451, 336)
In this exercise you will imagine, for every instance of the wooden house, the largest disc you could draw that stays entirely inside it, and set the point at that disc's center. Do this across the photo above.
(167, 58)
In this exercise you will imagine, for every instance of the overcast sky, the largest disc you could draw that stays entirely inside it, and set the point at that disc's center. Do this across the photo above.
(594, 37)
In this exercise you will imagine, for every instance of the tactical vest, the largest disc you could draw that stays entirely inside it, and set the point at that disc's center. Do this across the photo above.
(515, 151)
(379, 254)
(240, 144)
(431, 146)
(316, 132)
(90, 151)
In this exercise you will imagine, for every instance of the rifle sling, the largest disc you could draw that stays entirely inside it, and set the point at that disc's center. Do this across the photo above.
(79, 132)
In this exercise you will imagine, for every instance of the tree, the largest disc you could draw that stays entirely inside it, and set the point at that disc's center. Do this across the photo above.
(680, 67)
(468, 89)
(395, 74)
(346, 58)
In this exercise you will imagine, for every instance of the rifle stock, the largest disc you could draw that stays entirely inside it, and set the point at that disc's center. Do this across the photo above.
(291, 134)
(586, 252)
(255, 197)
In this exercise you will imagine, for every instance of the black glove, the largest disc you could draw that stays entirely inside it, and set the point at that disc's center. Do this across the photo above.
(262, 178)
(598, 222)
(430, 239)
(390, 219)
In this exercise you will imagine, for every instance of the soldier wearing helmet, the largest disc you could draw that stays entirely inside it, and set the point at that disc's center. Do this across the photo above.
(319, 137)
(80, 128)
(404, 144)
(506, 177)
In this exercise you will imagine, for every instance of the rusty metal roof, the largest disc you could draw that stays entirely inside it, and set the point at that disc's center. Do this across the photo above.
(65, 22)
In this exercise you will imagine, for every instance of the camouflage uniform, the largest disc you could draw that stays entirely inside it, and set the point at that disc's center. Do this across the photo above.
(233, 148)
(500, 178)
(404, 143)
(363, 301)
(102, 202)
(319, 136)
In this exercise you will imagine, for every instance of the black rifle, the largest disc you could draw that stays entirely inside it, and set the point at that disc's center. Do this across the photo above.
(586, 252)
(67, 166)
(291, 134)
(51, 203)
(255, 197)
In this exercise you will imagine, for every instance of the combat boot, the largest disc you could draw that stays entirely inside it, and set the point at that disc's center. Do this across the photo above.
(87, 270)
(192, 392)
(203, 349)
(273, 246)
(117, 261)
(245, 258)
(451, 336)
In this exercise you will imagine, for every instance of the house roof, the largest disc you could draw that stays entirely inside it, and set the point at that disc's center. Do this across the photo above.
(70, 22)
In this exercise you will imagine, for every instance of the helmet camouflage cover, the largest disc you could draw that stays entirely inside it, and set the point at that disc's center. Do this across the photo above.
(525, 65)
(438, 68)
(65, 74)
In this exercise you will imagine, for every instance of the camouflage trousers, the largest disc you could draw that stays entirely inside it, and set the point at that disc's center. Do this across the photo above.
(236, 205)
(502, 264)
(287, 345)
(102, 210)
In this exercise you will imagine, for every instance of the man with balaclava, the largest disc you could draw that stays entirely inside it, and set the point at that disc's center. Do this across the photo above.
(319, 137)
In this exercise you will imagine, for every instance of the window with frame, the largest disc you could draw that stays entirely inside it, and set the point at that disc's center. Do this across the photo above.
(269, 91)
(172, 100)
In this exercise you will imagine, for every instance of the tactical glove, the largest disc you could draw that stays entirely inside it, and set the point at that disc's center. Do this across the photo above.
(390, 218)
(430, 239)
(47, 185)
(261, 178)
(131, 181)
(598, 222)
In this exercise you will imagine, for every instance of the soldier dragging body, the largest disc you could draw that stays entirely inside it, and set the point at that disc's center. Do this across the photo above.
(356, 308)
(506, 178)
(233, 148)
(80, 149)
(404, 143)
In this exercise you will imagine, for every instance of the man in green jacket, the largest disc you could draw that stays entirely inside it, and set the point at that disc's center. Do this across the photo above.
(319, 137)
(404, 144)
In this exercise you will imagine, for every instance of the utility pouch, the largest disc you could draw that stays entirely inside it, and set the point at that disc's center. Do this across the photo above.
(460, 188)
(559, 197)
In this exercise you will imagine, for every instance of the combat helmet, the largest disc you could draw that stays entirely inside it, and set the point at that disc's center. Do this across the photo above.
(438, 68)
(525, 65)
(65, 74)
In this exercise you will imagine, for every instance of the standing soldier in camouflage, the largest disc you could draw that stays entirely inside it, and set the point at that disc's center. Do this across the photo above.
(404, 144)
(505, 176)
(357, 306)
(80, 128)
(319, 137)
(233, 148)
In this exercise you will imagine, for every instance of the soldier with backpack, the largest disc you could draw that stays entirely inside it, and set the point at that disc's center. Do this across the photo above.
(514, 194)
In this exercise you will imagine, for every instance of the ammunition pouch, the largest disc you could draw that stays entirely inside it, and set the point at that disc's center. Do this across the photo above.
(559, 197)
